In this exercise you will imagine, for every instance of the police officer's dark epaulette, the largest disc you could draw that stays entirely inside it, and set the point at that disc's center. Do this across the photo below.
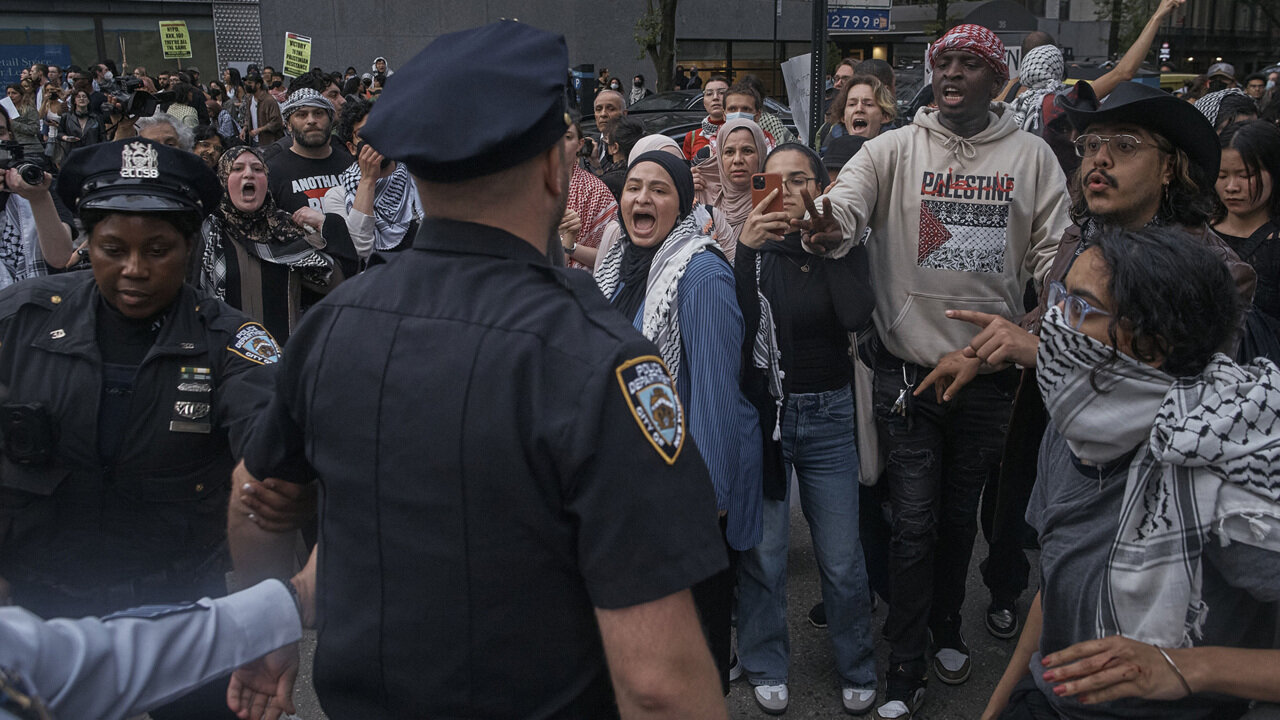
(47, 292)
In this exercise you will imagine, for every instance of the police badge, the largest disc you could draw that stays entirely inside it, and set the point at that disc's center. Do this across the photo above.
(651, 395)
(139, 161)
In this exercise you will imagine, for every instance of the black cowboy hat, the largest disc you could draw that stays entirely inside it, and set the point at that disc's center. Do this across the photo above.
(1153, 109)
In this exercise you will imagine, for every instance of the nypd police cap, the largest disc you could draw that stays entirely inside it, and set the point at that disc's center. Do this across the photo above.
(474, 103)
(137, 175)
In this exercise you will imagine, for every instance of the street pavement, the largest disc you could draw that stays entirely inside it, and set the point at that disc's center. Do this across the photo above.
(814, 686)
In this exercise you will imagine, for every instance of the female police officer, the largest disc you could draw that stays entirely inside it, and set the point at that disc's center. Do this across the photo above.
(127, 399)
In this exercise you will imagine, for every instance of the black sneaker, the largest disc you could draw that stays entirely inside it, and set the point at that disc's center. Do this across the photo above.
(950, 653)
(905, 692)
(1002, 619)
(818, 615)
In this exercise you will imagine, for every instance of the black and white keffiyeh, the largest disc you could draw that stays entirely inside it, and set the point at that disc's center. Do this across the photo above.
(1206, 449)
(20, 257)
(660, 319)
(1211, 103)
(1041, 72)
(395, 203)
(1209, 467)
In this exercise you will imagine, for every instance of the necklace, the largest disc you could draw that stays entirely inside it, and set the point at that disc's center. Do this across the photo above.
(803, 268)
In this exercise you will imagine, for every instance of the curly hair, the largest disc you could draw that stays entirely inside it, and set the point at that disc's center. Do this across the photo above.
(1171, 294)
(353, 111)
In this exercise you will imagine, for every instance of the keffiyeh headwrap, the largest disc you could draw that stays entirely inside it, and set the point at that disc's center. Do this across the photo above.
(395, 203)
(1212, 102)
(305, 97)
(977, 40)
(267, 233)
(1041, 73)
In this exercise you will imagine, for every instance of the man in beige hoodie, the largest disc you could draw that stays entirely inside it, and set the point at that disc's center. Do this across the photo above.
(963, 210)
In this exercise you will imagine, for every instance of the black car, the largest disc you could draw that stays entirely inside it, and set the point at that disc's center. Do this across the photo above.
(677, 112)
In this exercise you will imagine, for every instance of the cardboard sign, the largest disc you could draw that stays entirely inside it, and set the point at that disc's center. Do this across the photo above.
(796, 73)
(174, 39)
(297, 54)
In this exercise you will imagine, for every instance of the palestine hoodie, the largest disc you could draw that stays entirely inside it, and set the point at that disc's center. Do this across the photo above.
(956, 223)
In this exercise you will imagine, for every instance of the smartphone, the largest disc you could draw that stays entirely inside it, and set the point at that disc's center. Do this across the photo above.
(761, 185)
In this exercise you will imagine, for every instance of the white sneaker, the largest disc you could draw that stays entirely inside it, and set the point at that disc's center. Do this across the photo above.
(772, 699)
(858, 700)
(735, 668)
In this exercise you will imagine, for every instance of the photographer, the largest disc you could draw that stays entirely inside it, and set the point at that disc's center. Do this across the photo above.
(35, 229)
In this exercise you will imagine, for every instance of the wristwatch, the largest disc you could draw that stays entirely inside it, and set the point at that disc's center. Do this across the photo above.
(569, 250)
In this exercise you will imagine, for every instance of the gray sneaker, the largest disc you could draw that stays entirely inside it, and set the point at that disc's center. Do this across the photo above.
(858, 700)
(951, 661)
(772, 699)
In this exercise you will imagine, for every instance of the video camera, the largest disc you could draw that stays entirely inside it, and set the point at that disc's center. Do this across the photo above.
(11, 156)
(125, 96)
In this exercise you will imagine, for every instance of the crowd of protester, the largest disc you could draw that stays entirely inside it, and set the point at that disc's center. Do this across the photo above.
(1051, 317)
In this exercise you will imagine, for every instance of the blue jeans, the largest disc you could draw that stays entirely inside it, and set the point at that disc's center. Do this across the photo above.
(818, 442)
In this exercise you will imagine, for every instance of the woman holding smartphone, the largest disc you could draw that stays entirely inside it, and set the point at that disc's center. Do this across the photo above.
(812, 304)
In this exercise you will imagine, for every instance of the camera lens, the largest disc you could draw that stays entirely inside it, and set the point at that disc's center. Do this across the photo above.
(757, 183)
(31, 174)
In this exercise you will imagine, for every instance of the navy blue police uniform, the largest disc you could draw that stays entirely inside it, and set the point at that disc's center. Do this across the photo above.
(120, 434)
(500, 452)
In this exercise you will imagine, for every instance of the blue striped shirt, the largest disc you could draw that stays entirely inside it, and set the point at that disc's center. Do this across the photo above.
(723, 424)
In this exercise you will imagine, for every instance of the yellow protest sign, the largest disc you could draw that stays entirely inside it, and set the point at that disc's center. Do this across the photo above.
(297, 54)
(174, 39)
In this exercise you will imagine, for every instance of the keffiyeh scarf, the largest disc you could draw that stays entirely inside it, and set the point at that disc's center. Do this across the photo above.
(1209, 467)
(1041, 73)
(267, 233)
(1204, 464)
(395, 203)
(1210, 104)
(20, 257)
(660, 319)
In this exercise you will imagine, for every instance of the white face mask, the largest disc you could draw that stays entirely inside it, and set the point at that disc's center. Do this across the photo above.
(1100, 425)
(108, 76)
(739, 116)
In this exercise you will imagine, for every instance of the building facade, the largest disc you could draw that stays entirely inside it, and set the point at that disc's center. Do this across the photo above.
(743, 36)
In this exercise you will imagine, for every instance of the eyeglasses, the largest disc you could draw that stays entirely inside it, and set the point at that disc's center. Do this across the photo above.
(1121, 145)
(1074, 309)
(798, 182)
(714, 93)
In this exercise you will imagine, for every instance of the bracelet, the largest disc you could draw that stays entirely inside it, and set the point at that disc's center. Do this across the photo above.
(1181, 678)
(297, 601)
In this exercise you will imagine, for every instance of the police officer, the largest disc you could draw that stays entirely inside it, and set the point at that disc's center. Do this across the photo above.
(510, 494)
(127, 401)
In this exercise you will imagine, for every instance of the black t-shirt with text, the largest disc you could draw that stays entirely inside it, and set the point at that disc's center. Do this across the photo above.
(298, 182)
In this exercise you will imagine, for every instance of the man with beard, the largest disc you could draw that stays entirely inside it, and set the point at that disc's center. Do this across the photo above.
(327, 86)
(482, 507)
(964, 209)
(263, 124)
(300, 176)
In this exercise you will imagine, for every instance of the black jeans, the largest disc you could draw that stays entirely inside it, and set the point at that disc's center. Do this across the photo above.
(938, 459)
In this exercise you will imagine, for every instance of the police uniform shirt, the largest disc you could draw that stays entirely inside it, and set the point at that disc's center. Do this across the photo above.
(83, 531)
(500, 454)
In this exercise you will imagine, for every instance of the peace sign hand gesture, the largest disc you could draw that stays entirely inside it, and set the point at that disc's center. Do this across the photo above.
(822, 232)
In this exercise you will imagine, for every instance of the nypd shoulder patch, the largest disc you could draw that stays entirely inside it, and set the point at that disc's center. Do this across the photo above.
(253, 342)
(651, 395)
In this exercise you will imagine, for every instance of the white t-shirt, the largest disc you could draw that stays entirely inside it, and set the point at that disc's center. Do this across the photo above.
(253, 113)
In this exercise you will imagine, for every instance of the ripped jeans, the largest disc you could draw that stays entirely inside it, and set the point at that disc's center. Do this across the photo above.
(938, 459)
